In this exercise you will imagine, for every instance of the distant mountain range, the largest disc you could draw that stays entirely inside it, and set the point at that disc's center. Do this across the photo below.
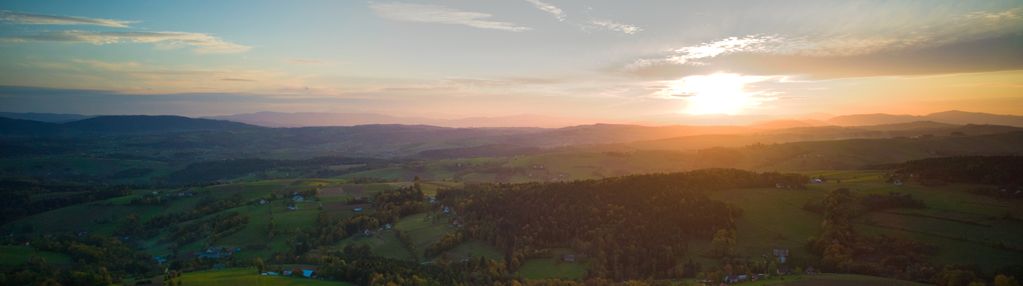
(44, 117)
(278, 119)
(303, 119)
(873, 124)
(950, 117)
(395, 140)
(120, 124)
(307, 119)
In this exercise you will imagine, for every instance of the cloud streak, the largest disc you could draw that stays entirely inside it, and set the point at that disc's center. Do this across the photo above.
(424, 13)
(615, 26)
(40, 19)
(198, 42)
(549, 8)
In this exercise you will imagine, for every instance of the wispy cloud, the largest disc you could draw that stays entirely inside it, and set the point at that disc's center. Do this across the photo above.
(691, 54)
(199, 42)
(424, 13)
(936, 46)
(40, 19)
(599, 24)
(616, 26)
(549, 8)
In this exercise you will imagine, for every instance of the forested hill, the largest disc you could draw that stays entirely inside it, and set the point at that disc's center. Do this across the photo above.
(120, 124)
(989, 170)
(153, 124)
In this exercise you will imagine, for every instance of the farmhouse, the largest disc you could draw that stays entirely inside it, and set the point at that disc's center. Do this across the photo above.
(781, 254)
(568, 258)
(216, 253)
(297, 198)
(292, 207)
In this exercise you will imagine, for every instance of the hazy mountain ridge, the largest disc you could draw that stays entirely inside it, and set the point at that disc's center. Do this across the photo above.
(949, 117)
(44, 117)
(306, 119)
(120, 124)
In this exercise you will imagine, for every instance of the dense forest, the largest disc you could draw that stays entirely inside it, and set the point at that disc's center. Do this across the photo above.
(98, 261)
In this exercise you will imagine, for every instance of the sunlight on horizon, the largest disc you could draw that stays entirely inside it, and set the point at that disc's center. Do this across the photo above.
(718, 93)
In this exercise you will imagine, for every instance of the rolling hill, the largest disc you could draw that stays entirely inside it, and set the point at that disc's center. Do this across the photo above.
(949, 117)
(153, 124)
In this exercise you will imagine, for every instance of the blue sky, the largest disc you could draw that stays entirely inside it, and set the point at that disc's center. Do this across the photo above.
(617, 61)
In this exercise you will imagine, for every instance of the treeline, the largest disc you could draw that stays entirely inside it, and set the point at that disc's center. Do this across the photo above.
(989, 170)
(233, 168)
(20, 198)
(207, 205)
(629, 227)
(356, 264)
(96, 261)
(210, 228)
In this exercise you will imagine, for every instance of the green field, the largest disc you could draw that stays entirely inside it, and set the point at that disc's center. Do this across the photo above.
(423, 230)
(474, 248)
(383, 243)
(13, 255)
(543, 268)
(248, 276)
(772, 218)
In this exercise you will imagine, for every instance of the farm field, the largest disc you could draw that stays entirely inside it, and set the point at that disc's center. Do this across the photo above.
(248, 276)
(424, 230)
(544, 268)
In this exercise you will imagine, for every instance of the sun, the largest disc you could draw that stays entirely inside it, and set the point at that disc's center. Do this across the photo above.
(719, 93)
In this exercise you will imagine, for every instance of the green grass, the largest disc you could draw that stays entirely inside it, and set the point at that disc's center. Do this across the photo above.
(14, 255)
(423, 230)
(248, 276)
(383, 244)
(474, 248)
(543, 268)
(772, 218)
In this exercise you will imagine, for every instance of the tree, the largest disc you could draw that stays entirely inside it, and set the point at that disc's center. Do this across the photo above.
(260, 266)
(724, 242)
(1002, 280)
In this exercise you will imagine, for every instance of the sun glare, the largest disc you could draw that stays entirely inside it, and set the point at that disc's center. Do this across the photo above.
(719, 93)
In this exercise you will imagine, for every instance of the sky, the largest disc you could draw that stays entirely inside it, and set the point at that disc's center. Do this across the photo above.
(607, 61)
